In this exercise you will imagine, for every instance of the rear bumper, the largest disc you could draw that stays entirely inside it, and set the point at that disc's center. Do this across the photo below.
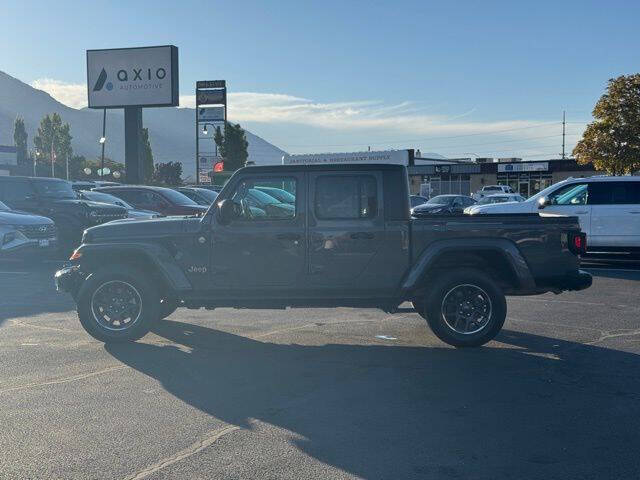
(580, 281)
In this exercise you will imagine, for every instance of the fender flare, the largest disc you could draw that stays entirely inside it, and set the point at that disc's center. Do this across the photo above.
(155, 254)
(504, 247)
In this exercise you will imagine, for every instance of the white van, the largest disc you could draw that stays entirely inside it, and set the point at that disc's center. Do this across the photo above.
(608, 209)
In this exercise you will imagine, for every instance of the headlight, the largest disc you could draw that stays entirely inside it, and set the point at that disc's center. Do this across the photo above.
(12, 236)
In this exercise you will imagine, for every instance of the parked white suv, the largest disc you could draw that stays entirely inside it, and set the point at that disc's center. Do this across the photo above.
(491, 190)
(608, 209)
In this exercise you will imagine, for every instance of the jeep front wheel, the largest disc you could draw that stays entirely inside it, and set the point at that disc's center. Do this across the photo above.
(465, 308)
(117, 304)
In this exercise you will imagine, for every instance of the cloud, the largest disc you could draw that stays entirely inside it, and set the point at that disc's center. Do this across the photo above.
(378, 123)
(73, 95)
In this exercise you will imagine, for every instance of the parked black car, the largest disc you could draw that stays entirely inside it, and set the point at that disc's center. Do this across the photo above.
(202, 196)
(416, 200)
(56, 199)
(165, 201)
(348, 240)
(443, 205)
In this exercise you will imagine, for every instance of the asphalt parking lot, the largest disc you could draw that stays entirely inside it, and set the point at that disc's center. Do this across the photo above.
(336, 393)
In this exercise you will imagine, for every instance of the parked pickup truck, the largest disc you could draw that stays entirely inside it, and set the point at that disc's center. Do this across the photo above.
(348, 240)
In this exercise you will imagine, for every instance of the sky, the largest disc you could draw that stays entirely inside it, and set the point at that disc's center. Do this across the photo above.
(456, 78)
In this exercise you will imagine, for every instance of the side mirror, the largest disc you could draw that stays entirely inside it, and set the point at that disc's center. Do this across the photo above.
(225, 212)
(543, 202)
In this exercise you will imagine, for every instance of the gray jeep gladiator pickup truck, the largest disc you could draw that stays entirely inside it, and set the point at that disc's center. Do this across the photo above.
(346, 240)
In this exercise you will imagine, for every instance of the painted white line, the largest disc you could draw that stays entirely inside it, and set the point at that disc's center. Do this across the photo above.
(73, 378)
(192, 449)
(14, 273)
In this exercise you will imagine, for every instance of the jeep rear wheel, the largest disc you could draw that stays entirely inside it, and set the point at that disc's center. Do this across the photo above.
(117, 304)
(465, 308)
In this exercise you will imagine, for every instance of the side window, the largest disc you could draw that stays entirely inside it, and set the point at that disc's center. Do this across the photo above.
(346, 197)
(253, 202)
(614, 193)
(127, 196)
(15, 191)
(573, 194)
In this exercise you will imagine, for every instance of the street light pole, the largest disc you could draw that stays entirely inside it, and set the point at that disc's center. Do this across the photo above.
(103, 140)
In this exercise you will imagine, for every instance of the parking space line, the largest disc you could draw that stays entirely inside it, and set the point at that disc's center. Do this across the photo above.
(72, 378)
(40, 327)
(192, 449)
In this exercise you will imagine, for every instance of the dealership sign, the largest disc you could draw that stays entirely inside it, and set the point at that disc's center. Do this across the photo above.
(398, 157)
(126, 77)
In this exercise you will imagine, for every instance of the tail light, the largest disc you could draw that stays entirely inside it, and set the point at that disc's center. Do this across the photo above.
(578, 243)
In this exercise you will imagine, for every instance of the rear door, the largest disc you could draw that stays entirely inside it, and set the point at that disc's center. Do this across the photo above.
(571, 200)
(346, 231)
(615, 214)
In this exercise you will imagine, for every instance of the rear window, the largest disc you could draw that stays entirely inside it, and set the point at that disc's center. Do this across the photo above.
(614, 193)
(346, 197)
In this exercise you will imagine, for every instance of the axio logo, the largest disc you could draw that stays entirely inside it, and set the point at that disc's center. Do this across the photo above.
(100, 82)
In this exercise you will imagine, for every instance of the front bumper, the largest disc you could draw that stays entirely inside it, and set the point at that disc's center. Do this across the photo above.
(68, 279)
(28, 247)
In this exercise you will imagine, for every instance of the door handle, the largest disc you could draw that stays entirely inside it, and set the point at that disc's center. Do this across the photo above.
(634, 213)
(582, 212)
(362, 236)
(288, 236)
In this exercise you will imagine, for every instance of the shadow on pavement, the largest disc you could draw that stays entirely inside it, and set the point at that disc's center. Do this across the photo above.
(540, 408)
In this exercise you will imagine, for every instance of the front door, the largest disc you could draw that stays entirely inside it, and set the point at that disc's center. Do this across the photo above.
(346, 232)
(265, 245)
(571, 200)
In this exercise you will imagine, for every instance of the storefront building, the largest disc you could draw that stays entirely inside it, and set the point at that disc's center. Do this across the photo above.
(466, 178)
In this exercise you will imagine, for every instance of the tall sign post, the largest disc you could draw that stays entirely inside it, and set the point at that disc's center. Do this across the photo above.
(211, 113)
(133, 78)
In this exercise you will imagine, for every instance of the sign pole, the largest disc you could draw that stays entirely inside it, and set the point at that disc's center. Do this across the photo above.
(197, 145)
(132, 140)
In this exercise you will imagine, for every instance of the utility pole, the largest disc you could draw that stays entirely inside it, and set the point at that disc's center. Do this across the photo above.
(563, 131)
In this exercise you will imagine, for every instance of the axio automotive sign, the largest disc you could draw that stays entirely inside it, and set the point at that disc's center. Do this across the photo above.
(142, 77)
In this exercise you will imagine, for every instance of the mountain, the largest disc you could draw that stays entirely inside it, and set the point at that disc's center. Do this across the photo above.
(171, 130)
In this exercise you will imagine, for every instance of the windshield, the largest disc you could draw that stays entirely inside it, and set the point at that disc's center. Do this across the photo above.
(210, 195)
(262, 198)
(496, 199)
(279, 194)
(177, 197)
(106, 198)
(3, 207)
(58, 189)
(441, 200)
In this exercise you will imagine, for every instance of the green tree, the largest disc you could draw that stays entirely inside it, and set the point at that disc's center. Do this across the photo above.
(232, 146)
(20, 141)
(147, 156)
(612, 141)
(53, 137)
(168, 174)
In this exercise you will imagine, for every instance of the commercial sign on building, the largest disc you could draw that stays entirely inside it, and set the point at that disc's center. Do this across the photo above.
(398, 157)
(523, 167)
(8, 155)
(142, 77)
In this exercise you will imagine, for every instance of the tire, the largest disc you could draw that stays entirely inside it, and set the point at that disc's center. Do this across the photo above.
(134, 295)
(465, 308)
(167, 307)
